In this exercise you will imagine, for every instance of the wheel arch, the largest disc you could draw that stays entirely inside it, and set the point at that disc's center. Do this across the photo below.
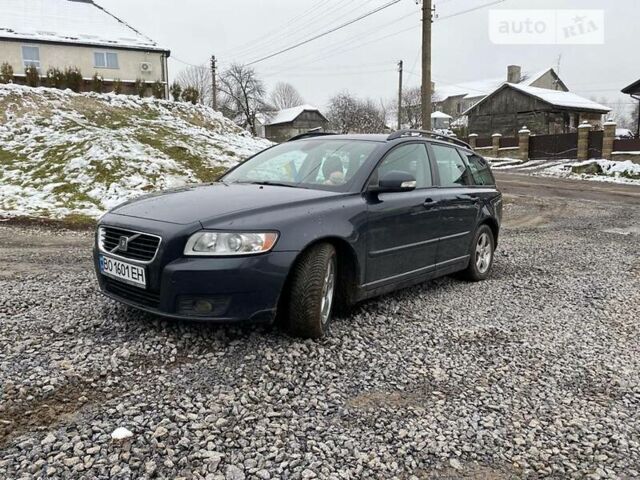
(492, 223)
(348, 271)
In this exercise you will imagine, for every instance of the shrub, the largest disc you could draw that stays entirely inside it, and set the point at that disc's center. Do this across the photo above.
(190, 94)
(97, 83)
(157, 89)
(73, 78)
(117, 86)
(55, 78)
(6, 73)
(176, 91)
(141, 88)
(32, 76)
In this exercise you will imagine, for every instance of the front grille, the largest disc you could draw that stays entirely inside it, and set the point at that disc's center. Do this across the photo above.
(131, 293)
(141, 246)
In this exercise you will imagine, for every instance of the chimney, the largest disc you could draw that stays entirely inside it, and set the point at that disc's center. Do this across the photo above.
(514, 73)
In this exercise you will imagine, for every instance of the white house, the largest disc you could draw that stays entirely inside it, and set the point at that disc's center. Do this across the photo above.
(78, 33)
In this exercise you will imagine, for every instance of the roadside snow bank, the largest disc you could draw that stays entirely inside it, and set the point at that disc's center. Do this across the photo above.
(597, 170)
(64, 153)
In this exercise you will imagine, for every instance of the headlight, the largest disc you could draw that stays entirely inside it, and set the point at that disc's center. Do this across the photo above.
(229, 243)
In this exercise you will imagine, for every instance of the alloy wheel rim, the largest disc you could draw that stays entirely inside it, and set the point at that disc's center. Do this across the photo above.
(483, 253)
(328, 288)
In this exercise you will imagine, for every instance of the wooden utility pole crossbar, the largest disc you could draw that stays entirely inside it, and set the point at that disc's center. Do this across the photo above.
(427, 18)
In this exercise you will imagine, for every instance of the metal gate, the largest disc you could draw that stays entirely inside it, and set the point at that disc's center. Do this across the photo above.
(558, 146)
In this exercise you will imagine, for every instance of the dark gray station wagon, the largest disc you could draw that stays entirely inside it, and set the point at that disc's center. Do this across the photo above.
(305, 229)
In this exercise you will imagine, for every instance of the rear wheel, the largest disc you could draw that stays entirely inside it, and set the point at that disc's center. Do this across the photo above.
(481, 255)
(312, 292)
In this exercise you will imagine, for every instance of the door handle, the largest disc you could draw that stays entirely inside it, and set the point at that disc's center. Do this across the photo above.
(473, 198)
(429, 202)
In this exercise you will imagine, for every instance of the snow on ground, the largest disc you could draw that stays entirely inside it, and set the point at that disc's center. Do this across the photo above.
(612, 171)
(63, 153)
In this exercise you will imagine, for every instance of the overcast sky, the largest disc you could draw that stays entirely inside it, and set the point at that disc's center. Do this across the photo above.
(362, 58)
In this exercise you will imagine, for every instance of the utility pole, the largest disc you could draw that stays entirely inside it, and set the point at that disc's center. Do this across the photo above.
(427, 18)
(214, 91)
(400, 65)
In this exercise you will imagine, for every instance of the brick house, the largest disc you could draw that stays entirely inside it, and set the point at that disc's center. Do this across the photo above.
(507, 109)
(78, 33)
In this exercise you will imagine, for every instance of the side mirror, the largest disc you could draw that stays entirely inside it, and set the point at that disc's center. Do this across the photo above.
(396, 181)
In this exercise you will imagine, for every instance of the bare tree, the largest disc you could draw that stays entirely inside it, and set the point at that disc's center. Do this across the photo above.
(348, 113)
(199, 78)
(245, 92)
(412, 107)
(285, 95)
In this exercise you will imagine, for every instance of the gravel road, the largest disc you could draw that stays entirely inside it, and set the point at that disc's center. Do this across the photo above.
(533, 373)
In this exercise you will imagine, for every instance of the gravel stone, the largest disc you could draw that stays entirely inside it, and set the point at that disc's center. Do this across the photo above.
(532, 373)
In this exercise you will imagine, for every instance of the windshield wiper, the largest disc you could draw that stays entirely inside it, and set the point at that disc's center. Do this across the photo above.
(273, 184)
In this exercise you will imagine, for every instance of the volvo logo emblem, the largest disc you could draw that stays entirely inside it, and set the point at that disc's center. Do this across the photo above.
(123, 244)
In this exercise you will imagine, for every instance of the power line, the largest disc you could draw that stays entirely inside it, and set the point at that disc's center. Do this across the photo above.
(326, 18)
(346, 24)
(469, 10)
(280, 30)
(339, 47)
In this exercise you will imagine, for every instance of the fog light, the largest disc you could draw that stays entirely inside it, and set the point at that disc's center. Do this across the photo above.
(202, 306)
(211, 306)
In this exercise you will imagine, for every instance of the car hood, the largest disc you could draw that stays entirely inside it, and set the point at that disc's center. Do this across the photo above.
(207, 202)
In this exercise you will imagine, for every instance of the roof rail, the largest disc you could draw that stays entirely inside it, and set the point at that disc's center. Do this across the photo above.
(427, 133)
(310, 134)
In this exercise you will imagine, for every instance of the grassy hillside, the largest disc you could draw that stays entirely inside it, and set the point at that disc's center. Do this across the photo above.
(65, 154)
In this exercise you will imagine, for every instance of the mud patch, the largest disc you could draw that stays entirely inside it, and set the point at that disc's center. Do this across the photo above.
(43, 412)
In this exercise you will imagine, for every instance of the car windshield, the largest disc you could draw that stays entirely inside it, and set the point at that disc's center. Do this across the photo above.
(319, 164)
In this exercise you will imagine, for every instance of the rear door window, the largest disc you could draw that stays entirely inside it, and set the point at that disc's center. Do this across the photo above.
(451, 168)
(480, 170)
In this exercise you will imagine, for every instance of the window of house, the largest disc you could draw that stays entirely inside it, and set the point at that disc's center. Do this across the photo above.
(105, 60)
(480, 170)
(31, 56)
(451, 168)
(411, 159)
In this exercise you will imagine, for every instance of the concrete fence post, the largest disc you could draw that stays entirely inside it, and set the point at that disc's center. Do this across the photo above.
(495, 144)
(473, 138)
(608, 137)
(523, 143)
(583, 140)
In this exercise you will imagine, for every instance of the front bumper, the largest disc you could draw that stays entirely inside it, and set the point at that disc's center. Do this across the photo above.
(240, 288)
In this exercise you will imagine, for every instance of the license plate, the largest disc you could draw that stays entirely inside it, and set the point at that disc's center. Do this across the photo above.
(125, 272)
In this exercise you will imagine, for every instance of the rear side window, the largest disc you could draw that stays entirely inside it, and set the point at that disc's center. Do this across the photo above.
(411, 159)
(480, 170)
(451, 168)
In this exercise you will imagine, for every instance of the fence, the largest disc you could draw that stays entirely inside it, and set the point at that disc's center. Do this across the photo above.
(594, 146)
(582, 145)
(564, 145)
(509, 142)
(627, 145)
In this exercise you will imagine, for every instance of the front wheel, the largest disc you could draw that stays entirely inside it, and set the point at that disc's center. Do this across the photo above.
(312, 292)
(481, 255)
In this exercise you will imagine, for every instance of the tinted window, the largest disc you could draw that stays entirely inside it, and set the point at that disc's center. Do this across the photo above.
(451, 168)
(479, 170)
(411, 159)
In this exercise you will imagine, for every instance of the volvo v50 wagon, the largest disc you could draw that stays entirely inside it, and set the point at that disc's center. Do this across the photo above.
(305, 229)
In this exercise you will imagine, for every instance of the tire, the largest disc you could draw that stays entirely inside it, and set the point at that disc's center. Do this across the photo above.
(481, 255)
(312, 295)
